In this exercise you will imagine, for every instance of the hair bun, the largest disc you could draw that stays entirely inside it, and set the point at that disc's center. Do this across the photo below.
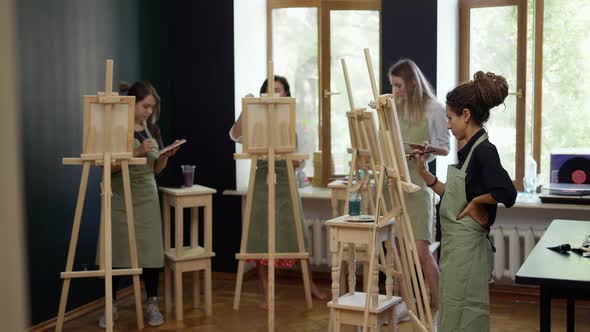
(490, 89)
(123, 87)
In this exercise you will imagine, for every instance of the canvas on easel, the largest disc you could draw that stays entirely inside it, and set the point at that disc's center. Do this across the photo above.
(268, 129)
(121, 128)
(414, 289)
(255, 124)
(107, 140)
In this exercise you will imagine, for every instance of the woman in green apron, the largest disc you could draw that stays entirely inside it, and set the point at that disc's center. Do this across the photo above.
(146, 204)
(422, 121)
(285, 232)
(470, 197)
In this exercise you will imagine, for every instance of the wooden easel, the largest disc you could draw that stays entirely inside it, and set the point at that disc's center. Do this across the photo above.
(365, 151)
(414, 289)
(277, 144)
(108, 140)
(366, 154)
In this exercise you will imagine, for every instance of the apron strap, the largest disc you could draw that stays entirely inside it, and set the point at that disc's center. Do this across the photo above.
(468, 159)
(489, 239)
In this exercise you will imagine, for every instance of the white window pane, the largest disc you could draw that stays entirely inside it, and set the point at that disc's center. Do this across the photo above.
(351, 31)
(295, 56)
(490, 27)
(566, 64)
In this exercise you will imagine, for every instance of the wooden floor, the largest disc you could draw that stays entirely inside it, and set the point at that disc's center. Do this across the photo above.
(510, 311)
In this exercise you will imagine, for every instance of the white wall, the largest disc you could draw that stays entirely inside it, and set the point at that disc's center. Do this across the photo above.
(447, 64)
(249, 62)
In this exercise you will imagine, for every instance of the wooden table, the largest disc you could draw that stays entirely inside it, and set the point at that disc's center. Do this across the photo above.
(193, 258)
(558, 275)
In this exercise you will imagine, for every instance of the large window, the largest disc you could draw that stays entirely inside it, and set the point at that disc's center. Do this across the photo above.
(493, 38)
(543, 48)
(306, 40)
(565, 116)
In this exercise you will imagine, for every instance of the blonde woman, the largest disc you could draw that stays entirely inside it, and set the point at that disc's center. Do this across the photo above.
(422, 120)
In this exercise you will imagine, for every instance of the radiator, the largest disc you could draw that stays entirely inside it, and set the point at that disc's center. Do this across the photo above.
(319, 241)
(513, 245)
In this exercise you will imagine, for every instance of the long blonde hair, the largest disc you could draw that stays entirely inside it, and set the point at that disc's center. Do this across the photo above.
(418, 90)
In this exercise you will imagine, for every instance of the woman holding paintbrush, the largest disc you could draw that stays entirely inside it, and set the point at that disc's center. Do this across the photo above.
(146, 205)
(423, 126)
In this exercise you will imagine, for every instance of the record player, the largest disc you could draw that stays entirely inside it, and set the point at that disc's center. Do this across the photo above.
(570, 177)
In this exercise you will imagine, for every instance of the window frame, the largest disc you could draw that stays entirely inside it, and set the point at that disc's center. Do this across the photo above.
(464, 40)
(324, 7)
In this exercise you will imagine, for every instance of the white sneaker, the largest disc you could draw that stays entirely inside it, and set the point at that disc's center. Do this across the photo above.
(153, 315)
(436, 321)
(102, 322)
(401, 313)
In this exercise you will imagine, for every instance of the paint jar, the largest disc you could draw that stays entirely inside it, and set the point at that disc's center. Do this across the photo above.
(354, 204)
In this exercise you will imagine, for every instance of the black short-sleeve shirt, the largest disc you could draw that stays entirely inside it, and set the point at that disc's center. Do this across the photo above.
(485, 174)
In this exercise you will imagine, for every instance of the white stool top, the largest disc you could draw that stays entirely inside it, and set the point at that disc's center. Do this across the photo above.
(187, 191)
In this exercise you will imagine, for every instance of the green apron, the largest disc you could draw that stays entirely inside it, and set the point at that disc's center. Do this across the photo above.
(464, 294)
(419, 204)
(146, 212)
(286, 234)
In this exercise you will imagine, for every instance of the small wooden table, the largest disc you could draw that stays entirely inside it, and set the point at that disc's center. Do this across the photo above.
(348, 309)
(558, 275)
(193, 258)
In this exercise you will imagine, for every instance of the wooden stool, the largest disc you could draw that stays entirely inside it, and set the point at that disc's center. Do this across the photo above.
(349, 308)
(339, 193)
(193, 258)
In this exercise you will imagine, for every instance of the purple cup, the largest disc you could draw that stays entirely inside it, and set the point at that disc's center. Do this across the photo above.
(188, 174)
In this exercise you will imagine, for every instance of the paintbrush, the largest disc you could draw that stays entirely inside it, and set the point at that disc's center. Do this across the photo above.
(421, 153)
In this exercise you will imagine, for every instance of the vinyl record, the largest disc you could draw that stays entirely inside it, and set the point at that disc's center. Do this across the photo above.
(575, 170)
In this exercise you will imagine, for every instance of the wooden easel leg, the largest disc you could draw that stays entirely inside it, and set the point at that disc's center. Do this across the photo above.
(389, 266)
(73, 242)
(271, 181)
(101, 236)
(239, 278)
(299, 231)
(245, 229)
(422, 297)
(132, 242)
(306, 282)
(108, 249)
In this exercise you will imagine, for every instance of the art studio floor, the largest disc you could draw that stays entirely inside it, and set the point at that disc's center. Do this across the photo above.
(513, 309)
